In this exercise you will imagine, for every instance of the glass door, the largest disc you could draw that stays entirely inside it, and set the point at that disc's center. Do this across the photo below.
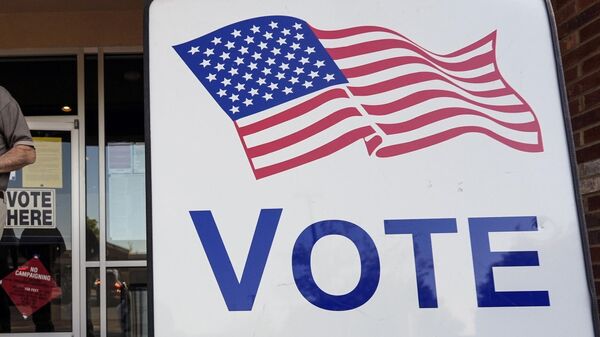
(39, 251)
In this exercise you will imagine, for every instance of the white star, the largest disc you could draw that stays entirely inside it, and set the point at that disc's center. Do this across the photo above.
(261, 81)
(222, 93)
(299, 36)
(285, 32)
(280, 76)
(270, 61)
(289, 56)
(319, 64)
(239, 61)
(294, 80)
(329, 77)
(313, 74)
(276, 51)
(255, 29)
(295, 46)
(247, 102)
(208, 52)
(266, 71)
(252, 66)
(299, 70)
(216, 40)
(236, 33)
(256, 56)
(287, 90)
(233, 71)
(211, 77)
(273, 86)
(297, 26)
(220, 66)
(273, 25)
(234, 109)
(304, 60)
(310, 50)
(268, 35)
(229, 45)
(205, 63)
(249, 39)
(284, 66)
(307, 84)
(224, 56)
(226, 82)
(247, 76)
(253, 92)
(281, 41)
(240, 87)
(243, 50)
(234, 97)
(194, 50)
(267, 96)
(262, 45)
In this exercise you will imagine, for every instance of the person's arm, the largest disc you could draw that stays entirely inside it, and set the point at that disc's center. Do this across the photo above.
(16, 158)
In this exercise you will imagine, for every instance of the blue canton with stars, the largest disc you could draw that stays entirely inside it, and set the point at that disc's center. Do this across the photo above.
(256, 64)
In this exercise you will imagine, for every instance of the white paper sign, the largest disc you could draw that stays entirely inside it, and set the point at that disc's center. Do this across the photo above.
(30, 208)
(347, 168)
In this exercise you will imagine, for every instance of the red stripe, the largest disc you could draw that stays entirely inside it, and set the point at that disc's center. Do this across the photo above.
(475, 62)
(399, 149)
(371, 68)
(293, 112)
(414, 78)
(342, 33)
(320, 152)
(425, 95)
(303, 134)
(445, 113)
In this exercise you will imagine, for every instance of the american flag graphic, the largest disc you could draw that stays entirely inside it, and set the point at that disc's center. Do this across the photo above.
(297, 93)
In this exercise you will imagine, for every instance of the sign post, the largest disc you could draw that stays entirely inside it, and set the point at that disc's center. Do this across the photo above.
(362, 169)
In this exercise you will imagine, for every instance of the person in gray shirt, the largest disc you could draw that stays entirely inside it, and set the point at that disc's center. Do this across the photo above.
(16, 146)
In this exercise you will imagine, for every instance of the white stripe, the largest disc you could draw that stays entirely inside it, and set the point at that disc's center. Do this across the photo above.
(412, 68)
(282, 107)
(373, 36)
(361, 60)
(451, 123)
(396, 94)
(296, 124)
(309, 144)
(444, 102)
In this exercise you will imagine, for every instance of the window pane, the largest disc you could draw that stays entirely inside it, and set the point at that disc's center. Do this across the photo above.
(126, 302)
(92, 292)
(125, 164)
(92, 176)
(51, 91)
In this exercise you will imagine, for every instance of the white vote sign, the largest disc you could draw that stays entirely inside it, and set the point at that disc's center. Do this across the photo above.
(30, 208)
(351, 168)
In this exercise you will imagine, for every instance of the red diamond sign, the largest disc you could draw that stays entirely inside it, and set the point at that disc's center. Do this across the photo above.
(30, 287)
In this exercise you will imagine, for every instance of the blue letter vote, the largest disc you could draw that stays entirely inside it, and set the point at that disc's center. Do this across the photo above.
(369, 263)
(484, 260)
(238, 295)
(421, 231)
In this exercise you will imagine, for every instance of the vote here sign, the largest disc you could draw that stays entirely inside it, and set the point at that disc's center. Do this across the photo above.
(381, 168)
(30, 208)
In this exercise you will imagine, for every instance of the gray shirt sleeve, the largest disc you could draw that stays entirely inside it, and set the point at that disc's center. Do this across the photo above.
(14, 127)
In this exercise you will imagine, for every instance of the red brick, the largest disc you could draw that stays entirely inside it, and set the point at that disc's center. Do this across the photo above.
(565, 12)
(584, 50)
(594, 203)
(584, 84)
(586, 119)
(596, 271)
(594, 239)
(591, 64)
(569, 42)
(583, 4)
(577, 140)
(578, 21)
(588, 153)
(592, 135)
(592, 99)
(574, 107)
(571, 74)
(590, 30)
(595, 253)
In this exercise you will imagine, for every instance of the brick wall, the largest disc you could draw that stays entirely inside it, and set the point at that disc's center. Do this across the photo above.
(578, 24)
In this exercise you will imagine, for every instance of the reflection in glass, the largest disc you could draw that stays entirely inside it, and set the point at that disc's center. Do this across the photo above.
(92, 176)
(52, 246)
(92, 292)
(125, 171)
(126, 302)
